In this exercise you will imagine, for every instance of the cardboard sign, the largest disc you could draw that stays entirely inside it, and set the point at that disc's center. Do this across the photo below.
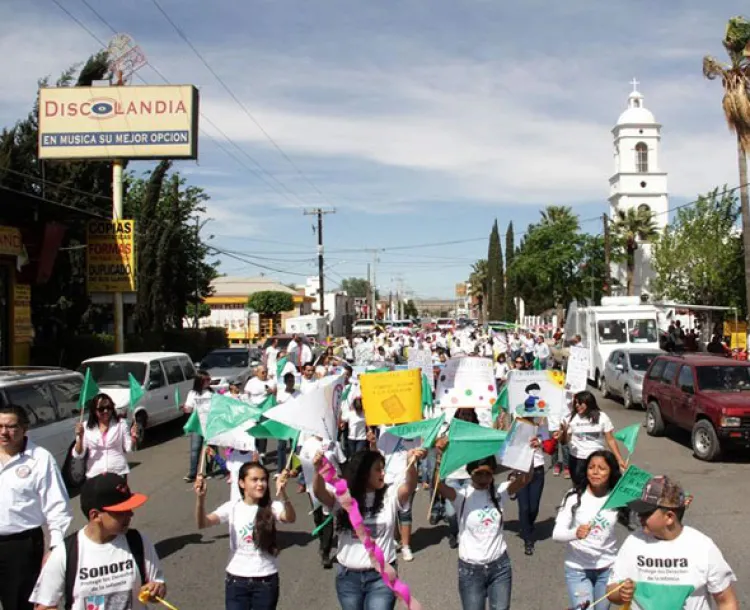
(392, 398)
(466, 382)
(537, 394)
(628, 488)
(422, 359)
(517, 452)
(577, 372)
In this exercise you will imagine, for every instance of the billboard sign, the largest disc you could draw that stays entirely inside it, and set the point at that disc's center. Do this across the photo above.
(110, 260)
(134, 122)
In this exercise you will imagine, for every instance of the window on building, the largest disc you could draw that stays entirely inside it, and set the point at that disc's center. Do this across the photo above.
(641, 158)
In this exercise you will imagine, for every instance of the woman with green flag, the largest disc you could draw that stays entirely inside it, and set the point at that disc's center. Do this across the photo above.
(198, 399)
(589, 531)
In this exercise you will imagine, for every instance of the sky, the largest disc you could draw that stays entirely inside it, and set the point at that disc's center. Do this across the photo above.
(420, 122)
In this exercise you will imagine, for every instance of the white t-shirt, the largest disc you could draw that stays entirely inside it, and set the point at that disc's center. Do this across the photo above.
(234, 463)
(357, 425)
(107, 579)
(256, 390)
(480, 524)
(586, 436)
(351, 552)
(395, 450)
(246, 559)
(271, 355)
(307, 451)
(307, 385)
(283, 396)
(200, 403)
(501, 371)
(690, 559)
(599, 548)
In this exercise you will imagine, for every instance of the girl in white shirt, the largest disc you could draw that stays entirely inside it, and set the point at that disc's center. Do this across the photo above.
(501, 370)
(589, 429)
(199, 398)
(588, 531)
(354, 418)
(252, 581)
(105, 438)
(358, 585)
(484, 571)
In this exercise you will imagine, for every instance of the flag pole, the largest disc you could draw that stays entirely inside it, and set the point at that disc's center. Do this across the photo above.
(436, 477)
(202, 461)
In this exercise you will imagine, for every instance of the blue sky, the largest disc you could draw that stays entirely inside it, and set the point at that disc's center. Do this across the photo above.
(420, 121)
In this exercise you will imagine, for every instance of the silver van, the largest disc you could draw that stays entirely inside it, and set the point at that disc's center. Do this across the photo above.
(50, 397)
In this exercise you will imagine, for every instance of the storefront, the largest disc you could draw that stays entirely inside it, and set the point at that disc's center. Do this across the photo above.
(16, 332)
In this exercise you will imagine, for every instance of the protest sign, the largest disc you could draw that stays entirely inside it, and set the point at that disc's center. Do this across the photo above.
(422, 359)
(467, 382)
(392, 398)
(628, 488)
(537, 394)
(517, 452)
(577, 371)
(364, 353)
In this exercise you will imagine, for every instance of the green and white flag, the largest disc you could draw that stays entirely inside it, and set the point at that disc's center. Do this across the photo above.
(136, 392)
(628, 488)
(228, 420)
(469, 442)
(89, 390)
(629, 437)
(427, 430)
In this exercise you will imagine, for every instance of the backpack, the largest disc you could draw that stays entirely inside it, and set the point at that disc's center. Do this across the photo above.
(135, 542)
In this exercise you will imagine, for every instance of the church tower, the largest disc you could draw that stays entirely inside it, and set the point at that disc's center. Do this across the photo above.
(638, 182)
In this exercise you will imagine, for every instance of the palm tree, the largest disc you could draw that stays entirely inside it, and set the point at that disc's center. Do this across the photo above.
(554, 214)
(478, 281)
(735, 78)
(631, 226)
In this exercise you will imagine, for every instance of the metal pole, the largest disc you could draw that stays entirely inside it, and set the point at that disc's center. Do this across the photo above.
(607, 270)
(119, 313)
(320, 263)
(197, 279)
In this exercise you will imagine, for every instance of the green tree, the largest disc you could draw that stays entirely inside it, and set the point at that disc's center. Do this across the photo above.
(495, 277)
(204, 310)
(410, 310)
(478, 286)
(699, 258)
(357, 287)
(270, 302)
(630, 227)
(557, 214)
(510, 290)
(735, 79)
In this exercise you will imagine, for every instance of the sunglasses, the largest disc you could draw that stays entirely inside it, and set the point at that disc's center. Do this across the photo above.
(103, 409)
(520, 362)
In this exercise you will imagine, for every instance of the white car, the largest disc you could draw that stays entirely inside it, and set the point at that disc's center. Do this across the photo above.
(160, 374)
(364, 326)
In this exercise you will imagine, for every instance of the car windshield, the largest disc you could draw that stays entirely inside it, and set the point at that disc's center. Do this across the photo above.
(225, 360)
(611, 331)
(642, 331)
(723, 378)
(640, 361)
(114, 372)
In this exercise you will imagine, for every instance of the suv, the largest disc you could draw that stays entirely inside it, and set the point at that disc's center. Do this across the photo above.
(706, 395)
(50, 398)
(231, 365)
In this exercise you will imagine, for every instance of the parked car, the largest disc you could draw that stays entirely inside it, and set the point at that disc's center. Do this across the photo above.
(624, 372)
(365, 326)
(704, 394)
(50, 398)
(160, 374)
(231, 365)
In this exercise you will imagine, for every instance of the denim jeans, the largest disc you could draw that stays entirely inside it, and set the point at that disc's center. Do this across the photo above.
(196, 445)
(586, 585)
(528, 503)
(427, 468)
(563, 455)
(353, 446)
(450, 512)
(251, 593)
(281, 449)
(362, 590)
(479, 583)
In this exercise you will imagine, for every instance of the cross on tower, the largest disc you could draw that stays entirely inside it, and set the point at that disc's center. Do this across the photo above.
(635, 84)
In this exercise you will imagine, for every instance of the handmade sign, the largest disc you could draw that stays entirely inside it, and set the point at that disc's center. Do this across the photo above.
(577, 371)
(628, 488)
(349, 504)
(422, 359)
(537, 394)
(517, 452)
(390, 398)
(467, 382)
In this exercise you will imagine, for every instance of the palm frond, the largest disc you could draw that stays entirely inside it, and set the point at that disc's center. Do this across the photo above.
(713, 68)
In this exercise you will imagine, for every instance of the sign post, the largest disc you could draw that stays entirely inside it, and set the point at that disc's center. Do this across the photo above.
(117, 215)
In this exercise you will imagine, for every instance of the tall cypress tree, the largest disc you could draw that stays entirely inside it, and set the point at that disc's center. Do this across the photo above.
(491, 256)
(496, 276)
(510, 289)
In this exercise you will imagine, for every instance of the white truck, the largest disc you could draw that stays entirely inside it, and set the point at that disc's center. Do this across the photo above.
(310, 326)
(617, 323)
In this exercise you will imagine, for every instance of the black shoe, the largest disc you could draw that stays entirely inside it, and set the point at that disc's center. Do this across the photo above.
(452, 541)
(327, 562)
(434, 519)
(188, 479)
(528, 548)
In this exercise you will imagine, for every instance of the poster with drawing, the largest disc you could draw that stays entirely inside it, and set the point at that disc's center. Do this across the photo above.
(517, 453)
(577, 371)
(467, 382)
(537, 394)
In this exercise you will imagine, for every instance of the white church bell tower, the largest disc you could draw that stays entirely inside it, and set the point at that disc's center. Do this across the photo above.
(638, 182)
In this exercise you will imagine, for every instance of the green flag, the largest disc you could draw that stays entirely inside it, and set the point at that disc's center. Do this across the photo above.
(628, 488)
(268, 402)
(193, 424)
(280, 364)
(177, 398)
(657, 596)
(501, 404)
(274, 429)
(89, 390)
(227, 414)
(346, 392)
(629, 436)
(537, 366)
(136, 391)
(426, 392)
(427, 430)
(468, 442)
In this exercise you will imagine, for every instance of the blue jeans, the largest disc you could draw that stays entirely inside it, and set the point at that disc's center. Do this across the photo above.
(450, 512)
(427, 467)
(528, 503)
(196, 444)
(281, 449)
(362, 590)
(251, 593)
(586, 585)
(353, 446)
(563, 455)
(478, 583)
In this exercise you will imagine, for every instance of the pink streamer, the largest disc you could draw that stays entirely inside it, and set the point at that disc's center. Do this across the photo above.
(349, 504)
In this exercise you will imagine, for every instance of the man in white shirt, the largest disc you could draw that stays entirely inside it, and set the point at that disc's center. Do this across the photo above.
(258, 388)
(308, 381)
(283, 395)
(528, 348)
(271, 355)
(33, 495)
(294, 353)
(667, 557)
(541, 352)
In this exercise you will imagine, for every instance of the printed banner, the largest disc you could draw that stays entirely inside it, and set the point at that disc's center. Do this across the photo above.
(537, 394)
(392, 398)
(110, 259)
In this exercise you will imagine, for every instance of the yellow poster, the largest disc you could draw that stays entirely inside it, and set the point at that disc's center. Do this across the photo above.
(110, 261)
(390, 398)
(737, 333)
(22, 329)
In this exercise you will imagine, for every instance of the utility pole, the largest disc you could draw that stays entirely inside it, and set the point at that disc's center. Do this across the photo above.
(607, 255)
(319, 213)
(369, 290)
(197, 279)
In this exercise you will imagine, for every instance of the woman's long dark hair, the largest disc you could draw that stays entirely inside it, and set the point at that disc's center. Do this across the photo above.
(264, 527)
(592, 408)
(580, 489)
(492, 463)
(356, 474)
(93, 420)
(199, 380)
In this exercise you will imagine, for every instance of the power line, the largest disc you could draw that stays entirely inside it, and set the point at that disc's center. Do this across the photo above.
(58, 185)
(254, 264)
(57, 203)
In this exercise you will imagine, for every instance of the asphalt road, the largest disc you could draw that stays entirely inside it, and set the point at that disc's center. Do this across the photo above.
(194, 562)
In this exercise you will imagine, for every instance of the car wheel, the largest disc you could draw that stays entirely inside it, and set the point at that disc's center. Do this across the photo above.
(706, 444)
(604, 388)
(141, 420)
(654, 421)
(627, 398)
